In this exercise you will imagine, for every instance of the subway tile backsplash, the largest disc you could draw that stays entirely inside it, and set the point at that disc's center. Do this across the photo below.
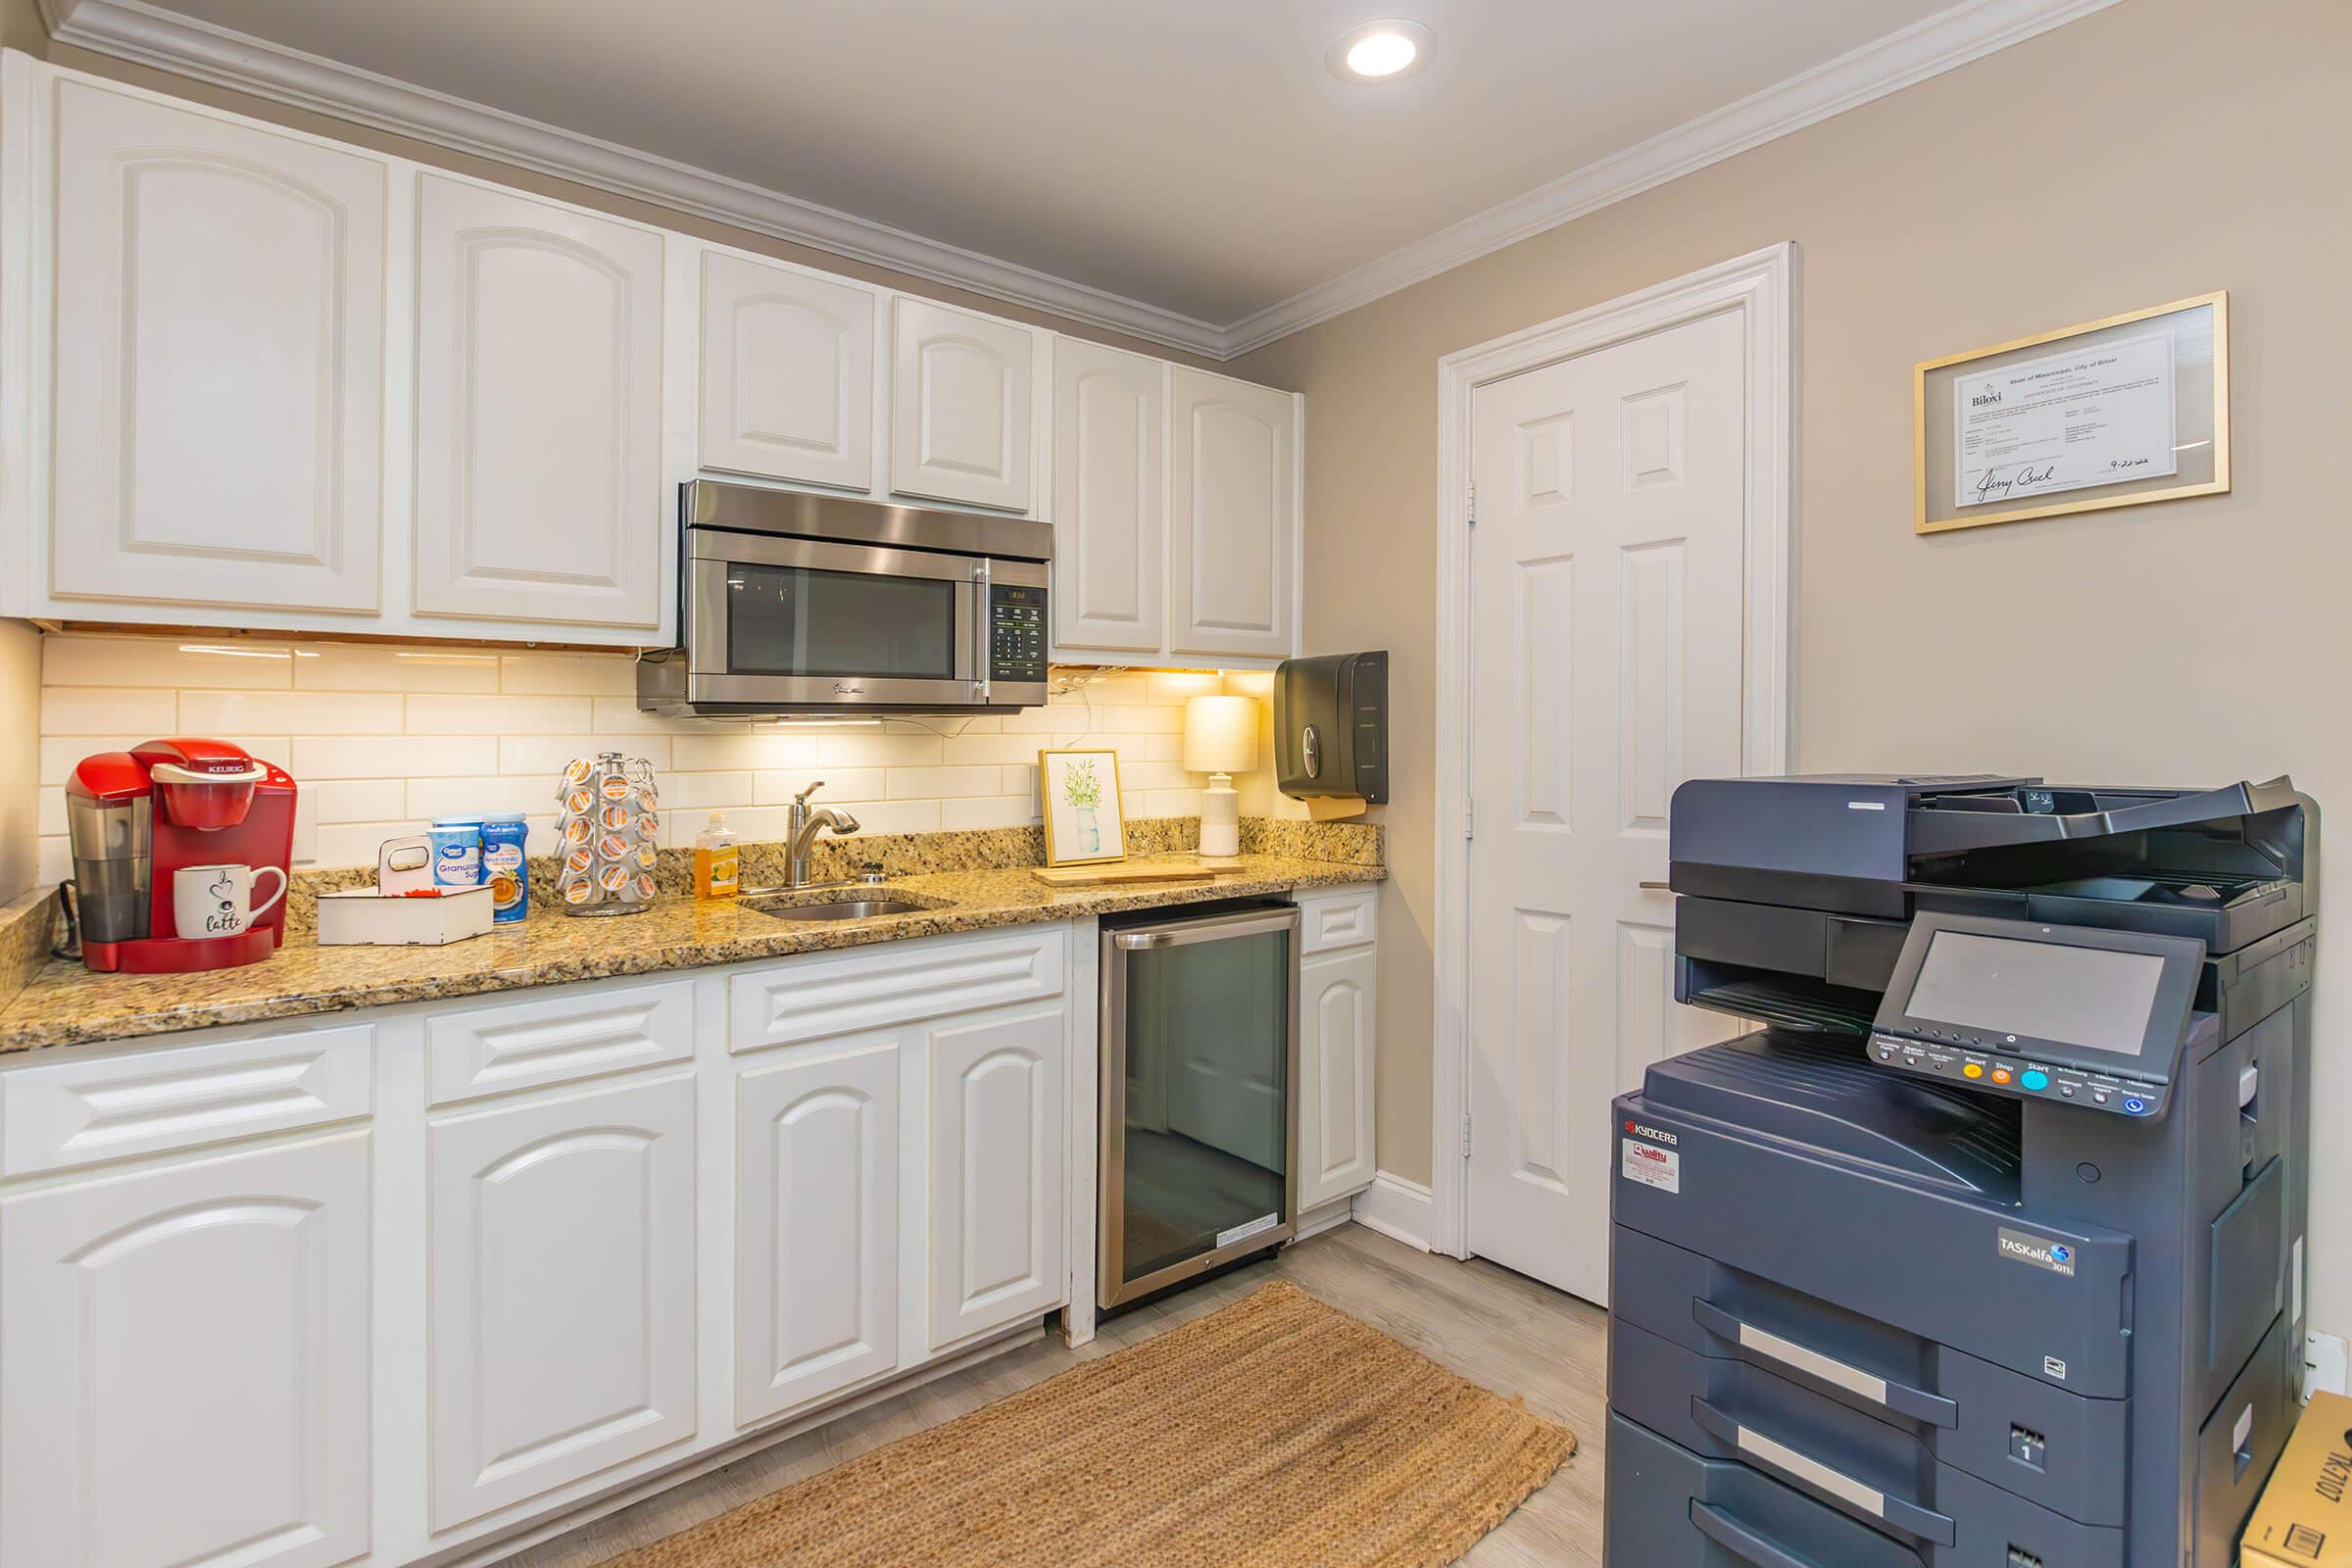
(383, 738)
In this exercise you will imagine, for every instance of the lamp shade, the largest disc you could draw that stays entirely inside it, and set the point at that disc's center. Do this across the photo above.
(1220, 734)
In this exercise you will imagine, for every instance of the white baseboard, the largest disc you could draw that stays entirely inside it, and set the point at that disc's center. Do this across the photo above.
(1395, 1207)
(1322, 1218)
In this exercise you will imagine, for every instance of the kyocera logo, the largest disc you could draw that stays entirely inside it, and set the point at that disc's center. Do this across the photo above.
(1653, 1134)
(2056, 1256)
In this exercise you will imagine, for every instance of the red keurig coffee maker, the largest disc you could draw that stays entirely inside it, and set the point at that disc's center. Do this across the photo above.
(141, 818)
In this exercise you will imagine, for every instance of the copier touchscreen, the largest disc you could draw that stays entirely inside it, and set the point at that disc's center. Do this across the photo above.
(2089, 997)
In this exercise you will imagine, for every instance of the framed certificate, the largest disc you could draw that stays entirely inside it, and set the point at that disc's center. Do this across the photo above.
(2108, 413)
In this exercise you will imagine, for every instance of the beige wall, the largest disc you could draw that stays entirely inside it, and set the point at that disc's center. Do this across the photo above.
(2146, 153)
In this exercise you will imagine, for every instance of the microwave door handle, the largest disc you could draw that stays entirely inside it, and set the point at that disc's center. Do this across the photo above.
(980, 630)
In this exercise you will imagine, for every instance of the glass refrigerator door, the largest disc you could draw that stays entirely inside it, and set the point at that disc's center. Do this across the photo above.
(1207, 1096)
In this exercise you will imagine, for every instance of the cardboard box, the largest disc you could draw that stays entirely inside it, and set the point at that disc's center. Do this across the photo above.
(2304, 1519)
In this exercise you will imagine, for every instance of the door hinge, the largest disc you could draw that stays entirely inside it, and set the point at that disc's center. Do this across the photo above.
(1473, 504)
(1469, 819)
(1465, 1138)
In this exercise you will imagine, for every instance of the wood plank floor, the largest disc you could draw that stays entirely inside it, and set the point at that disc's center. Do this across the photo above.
(1494, 1327)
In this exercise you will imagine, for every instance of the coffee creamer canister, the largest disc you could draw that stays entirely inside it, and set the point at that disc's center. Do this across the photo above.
(504, 837)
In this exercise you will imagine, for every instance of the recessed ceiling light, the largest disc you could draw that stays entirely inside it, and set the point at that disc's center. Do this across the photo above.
(1381, 51)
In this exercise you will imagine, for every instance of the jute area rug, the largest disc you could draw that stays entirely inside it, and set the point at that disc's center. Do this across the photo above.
(1275, 1432)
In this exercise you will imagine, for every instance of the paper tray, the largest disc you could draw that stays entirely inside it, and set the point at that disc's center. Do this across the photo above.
(364, 917)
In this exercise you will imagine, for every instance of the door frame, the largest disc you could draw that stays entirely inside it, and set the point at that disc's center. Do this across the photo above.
(1760, 287)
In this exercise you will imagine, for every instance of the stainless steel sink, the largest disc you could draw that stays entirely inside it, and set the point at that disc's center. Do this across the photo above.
(780, 906)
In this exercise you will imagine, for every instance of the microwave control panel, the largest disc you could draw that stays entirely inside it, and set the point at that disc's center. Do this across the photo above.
(1016, 632)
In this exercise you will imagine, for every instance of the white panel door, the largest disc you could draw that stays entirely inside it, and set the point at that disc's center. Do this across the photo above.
(1605, 580)
(538, 410)
(1232, 454)
(959, 405)
(787, 374)
(218, 361)
(1109, 498)
(817, 1228)
(1335, 1075)
(187, 1364)
(562, 1253)
(996, 1135)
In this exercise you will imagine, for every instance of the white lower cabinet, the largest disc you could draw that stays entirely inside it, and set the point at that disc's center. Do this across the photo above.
(185, 1359)
(426, 1277)
(817, 1227)
(1335, 1075)
(562, 1310)
(997, 1139)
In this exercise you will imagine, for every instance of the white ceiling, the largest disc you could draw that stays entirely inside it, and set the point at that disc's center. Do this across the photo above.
(1196, 156)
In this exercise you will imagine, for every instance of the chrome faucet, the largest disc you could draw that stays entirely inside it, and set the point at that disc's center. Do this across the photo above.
(804, 824)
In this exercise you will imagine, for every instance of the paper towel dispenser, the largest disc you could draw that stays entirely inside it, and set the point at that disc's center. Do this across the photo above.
(1330, 726)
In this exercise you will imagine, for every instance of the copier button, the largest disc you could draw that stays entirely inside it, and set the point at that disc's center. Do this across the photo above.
(2000, 1075)
(1971, 1070)
(2134, 1105)
(2034, 1078)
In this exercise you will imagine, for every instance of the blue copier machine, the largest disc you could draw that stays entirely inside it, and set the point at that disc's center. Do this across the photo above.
(1987, 1251)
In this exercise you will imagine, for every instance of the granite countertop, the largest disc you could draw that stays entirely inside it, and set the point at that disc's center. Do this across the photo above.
(64, 1003)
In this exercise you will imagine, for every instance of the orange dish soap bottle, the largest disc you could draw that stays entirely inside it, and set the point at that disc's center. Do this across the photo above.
(717, 861)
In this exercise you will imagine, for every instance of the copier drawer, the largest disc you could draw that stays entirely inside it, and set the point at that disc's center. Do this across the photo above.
(1668, 1508)
(1714, 1332)
(1732, 1411)
(2241, 1441)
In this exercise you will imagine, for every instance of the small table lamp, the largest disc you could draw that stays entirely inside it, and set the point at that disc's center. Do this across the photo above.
(1220, 739)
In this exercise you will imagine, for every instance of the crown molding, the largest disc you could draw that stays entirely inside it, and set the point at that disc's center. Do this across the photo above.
(137, 31)
(1928, 48)
(129, 29)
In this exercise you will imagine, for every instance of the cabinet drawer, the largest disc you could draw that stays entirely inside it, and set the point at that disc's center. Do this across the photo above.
(1344, 920)
(813, 999)
(557, 1039)
(182, 1096)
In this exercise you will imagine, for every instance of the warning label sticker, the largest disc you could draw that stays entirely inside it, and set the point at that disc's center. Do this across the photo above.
(1650, 1165)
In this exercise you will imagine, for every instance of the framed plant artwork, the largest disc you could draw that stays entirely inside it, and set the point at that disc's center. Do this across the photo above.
(1082, 821)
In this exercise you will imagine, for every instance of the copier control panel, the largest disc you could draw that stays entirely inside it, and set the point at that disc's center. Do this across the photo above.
(2086, 1016)
(2021, 1076)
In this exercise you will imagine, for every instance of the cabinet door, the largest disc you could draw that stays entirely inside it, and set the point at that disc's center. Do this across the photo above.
(218, 361)
(1335, 1075)
(562, 1253)
(1230, 558)
(1110, 439)
(959, 405)
(996, 1135)
(817, 1228)
(787, 374)
(538, 410)
(186, 1356)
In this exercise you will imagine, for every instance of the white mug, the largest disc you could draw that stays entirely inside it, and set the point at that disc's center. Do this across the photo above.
(217, 900)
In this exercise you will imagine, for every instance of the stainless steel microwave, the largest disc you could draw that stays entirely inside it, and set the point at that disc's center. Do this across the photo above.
(805, 604)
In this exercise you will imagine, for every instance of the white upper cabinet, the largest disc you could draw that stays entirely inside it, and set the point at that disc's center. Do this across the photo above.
(960, 387)
(787, 374)
(188, 1358)
(538, 410)
(1110, 497)
(220, 332)
(1234, 543)
(561, 1313)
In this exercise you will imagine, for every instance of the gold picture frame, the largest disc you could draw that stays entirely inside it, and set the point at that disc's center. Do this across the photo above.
(1065, 781)
(2201, 413)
